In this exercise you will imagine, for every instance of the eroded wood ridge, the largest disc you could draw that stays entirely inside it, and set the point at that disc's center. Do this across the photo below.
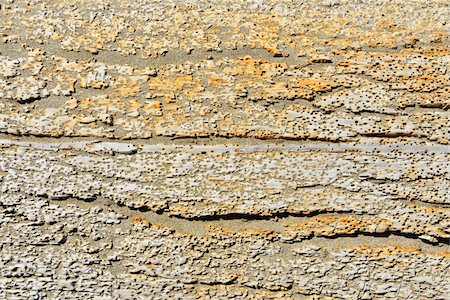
(235, 149)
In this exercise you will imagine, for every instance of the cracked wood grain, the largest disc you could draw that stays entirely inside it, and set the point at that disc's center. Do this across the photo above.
(237, 149)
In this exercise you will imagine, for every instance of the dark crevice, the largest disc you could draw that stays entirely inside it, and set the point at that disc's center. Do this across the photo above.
(430, 204)
(209, 139)
(68, 196)
(388, 134)
(421, 202)
(253, 217)
(142, 209)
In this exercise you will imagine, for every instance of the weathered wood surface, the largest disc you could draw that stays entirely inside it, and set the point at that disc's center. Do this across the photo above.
(234, 149)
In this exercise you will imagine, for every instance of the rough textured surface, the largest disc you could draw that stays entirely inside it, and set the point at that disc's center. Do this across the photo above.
(226, 149)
